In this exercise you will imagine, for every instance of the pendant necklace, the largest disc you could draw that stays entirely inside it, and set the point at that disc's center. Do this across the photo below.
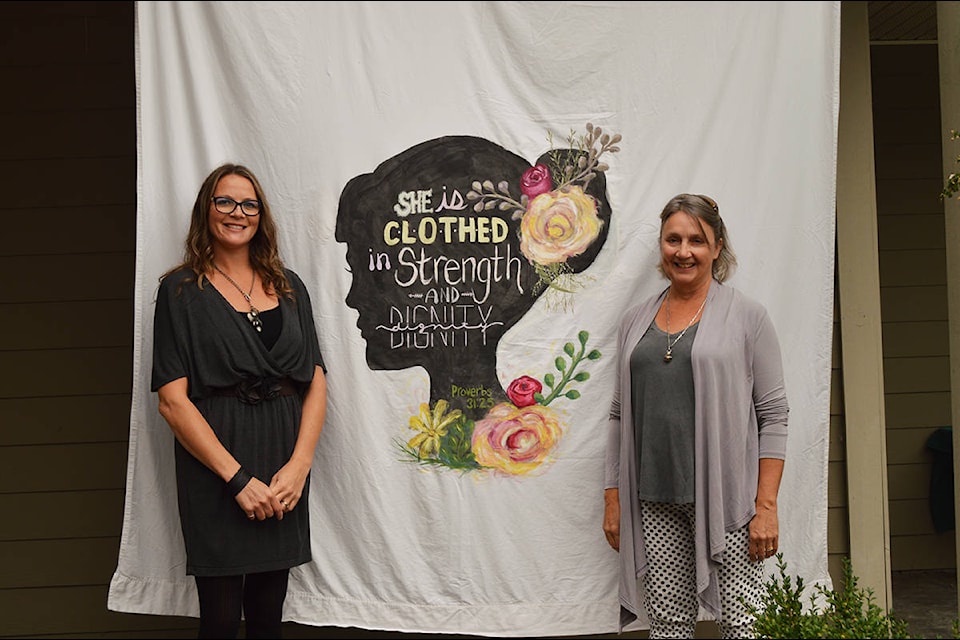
(668, 356)
(254, 315)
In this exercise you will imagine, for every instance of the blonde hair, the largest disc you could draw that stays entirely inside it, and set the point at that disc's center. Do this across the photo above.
(704, 210)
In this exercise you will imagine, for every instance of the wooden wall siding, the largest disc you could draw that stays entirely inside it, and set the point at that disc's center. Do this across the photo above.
(913, 293)
(838, 516)
(928, 409)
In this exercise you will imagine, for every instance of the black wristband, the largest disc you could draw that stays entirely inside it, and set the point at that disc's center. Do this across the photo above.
(239, 481)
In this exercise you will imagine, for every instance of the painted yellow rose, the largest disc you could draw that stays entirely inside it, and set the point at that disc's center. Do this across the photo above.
(515, 441)
(558, 225)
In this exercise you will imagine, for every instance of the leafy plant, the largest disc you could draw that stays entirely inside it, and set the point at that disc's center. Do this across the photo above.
(849, 612)
(953, 180)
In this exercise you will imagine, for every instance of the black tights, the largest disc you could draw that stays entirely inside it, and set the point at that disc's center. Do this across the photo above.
(258, 596)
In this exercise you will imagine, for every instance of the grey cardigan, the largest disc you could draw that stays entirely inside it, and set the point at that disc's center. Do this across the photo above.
(740, 417)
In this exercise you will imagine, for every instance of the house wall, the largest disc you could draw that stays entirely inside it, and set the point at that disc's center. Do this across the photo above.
(838, 514)
(913, 307)
(906, 111)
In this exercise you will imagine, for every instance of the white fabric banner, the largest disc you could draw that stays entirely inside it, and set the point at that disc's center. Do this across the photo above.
(368, 124)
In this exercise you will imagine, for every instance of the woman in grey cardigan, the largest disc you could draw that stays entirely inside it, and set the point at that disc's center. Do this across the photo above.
(697, 439)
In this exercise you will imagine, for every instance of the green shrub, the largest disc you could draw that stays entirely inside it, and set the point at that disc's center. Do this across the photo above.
(847, 613)
(952, 186)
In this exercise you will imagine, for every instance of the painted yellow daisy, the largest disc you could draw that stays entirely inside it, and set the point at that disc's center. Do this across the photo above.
(432, 427)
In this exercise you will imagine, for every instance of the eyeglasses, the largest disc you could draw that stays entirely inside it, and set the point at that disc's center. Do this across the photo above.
(227, 206)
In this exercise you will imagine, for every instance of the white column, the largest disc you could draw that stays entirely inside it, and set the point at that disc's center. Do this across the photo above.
(948, 45)
(858, 276)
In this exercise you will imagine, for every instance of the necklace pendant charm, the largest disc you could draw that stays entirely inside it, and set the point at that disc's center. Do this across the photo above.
(254, 317)
(668, 356)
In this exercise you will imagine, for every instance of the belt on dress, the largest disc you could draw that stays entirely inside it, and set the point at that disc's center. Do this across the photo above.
(256, 390)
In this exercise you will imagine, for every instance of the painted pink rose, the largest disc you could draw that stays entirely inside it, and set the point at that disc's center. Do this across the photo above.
(536, 180)
(558, 225)
(515, 440)
(522, 389)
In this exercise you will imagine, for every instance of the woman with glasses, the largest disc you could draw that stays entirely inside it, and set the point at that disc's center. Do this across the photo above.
(240, 379)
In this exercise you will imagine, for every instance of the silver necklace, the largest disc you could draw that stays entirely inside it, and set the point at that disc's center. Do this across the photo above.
(253, 315)
(668, 356)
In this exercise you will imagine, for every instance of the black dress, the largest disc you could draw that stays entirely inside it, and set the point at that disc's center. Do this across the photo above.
(200, 336)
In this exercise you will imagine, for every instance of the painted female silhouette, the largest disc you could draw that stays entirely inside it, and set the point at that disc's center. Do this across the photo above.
(450, 243)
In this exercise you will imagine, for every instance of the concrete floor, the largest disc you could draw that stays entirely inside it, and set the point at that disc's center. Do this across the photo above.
(926, 601)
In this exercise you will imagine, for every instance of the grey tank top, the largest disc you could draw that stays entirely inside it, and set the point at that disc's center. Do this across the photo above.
(663, 413)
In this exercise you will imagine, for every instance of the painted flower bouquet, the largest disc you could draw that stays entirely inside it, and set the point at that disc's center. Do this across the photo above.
(558, 218)
(514, 437)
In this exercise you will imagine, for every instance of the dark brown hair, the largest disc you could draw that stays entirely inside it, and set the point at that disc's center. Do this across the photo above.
(264, 253)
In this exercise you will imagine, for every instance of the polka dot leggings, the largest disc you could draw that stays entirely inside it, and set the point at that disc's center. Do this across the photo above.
(671, 580)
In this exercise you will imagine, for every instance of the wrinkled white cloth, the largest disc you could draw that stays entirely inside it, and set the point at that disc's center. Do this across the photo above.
(736, 100)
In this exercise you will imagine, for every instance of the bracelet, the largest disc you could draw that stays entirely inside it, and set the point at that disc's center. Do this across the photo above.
(238, 481)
